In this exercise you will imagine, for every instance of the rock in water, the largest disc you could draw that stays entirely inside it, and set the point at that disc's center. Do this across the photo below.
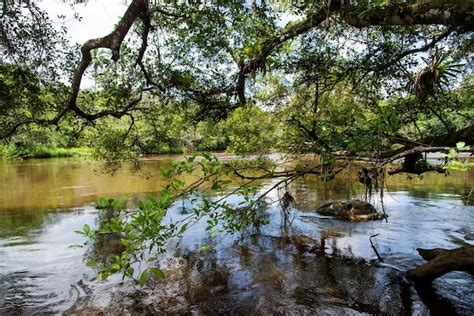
(352, 210)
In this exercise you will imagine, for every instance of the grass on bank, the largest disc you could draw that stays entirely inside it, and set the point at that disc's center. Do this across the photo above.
(11, 152)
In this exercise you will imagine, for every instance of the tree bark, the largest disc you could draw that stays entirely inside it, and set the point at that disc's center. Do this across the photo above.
(450, 139)
(112, 41)
(442, 261)
(442, 12)
(435, 143)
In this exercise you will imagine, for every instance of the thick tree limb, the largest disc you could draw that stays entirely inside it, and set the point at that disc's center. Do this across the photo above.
(143, 47)
(441, 12)
(416, 150)
(411, 152)
(258, 62)
(450, 139)
(429, 144)
(442, 261)
(415, 164)
(112, 41)
(395, 156)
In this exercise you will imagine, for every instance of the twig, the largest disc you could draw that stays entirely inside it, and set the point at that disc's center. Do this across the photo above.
(375, 249)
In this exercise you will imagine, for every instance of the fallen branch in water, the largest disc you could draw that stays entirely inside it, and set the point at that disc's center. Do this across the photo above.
(442, 261)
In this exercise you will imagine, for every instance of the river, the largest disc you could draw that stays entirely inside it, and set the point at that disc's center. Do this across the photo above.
(42, 203)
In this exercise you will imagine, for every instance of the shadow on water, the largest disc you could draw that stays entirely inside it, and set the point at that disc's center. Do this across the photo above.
(436, 304)
(262, 275)
(272, 274)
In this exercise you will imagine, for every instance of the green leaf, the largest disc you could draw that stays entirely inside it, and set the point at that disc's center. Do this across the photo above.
(126, 243)
(75, 246)
(129, 272)
(115, 267)
(216, 186)
(165, 172)
(91, 264)
(204, 249)
(115, 225)
(176, 184)
(157, 272)
(102, 276)
(183, 229)
(143, 277)
(165, 197)
(460, 145)
(102, 203)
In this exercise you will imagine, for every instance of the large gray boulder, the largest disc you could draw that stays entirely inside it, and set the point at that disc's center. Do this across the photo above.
(352, 210)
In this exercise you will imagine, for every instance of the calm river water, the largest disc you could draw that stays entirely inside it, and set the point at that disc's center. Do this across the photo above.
(42, 203)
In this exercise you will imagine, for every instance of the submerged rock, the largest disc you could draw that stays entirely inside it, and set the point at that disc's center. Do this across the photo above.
(352, 210)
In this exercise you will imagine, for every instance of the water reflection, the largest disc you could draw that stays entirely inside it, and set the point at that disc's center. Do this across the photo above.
(37, 267)
(267, 272)
(62, 183)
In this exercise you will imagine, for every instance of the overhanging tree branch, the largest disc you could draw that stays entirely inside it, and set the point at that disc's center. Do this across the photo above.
(449, 13)
(258, 62)
(411, 151)
(440, 12)
(112, 41)
(141, 52)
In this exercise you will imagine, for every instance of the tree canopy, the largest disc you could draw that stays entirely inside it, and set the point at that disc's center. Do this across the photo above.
(380, 67)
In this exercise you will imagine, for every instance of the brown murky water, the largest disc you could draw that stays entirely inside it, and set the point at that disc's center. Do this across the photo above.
(42, 202)
(63, 183)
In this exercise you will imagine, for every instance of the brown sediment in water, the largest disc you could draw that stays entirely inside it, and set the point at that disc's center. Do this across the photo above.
(266, 273)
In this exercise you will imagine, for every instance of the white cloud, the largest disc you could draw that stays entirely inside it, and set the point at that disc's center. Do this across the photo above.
(98, 17)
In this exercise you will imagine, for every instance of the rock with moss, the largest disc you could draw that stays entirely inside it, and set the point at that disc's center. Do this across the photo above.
(352, 210)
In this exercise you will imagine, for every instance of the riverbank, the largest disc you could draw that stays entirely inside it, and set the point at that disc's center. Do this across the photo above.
(12, 152)
(8, 152)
